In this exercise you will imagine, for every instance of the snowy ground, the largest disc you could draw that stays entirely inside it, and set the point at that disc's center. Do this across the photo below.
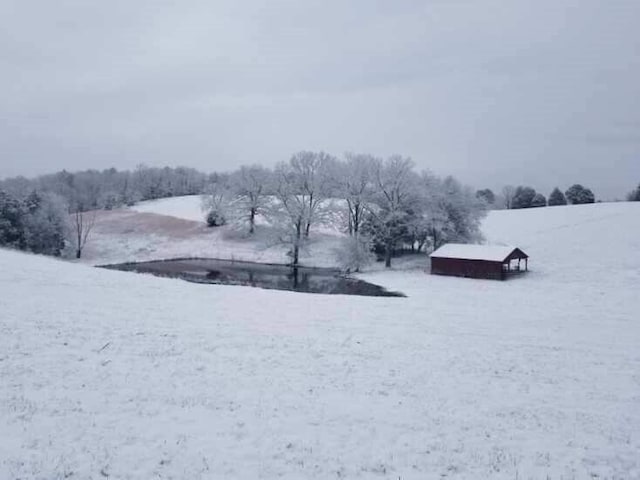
(114, 375)
(187, 207)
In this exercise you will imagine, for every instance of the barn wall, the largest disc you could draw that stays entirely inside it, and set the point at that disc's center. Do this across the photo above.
(467, 268)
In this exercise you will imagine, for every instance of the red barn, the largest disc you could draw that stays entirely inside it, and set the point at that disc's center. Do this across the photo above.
(478, 261)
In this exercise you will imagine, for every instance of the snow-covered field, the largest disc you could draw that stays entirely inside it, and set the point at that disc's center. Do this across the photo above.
(107, 374)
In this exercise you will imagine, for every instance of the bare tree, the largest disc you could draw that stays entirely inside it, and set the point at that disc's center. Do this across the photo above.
(355, 184)
(290, 214)
(508, 193)
(252, 186)
(82, 224)
(86, 191)
(310, 176)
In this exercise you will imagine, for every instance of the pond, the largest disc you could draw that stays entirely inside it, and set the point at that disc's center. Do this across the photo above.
(270, 276)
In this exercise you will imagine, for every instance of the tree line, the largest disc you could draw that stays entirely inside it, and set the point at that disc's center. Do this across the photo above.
(527, 197)
(54, 212)
(383, 205)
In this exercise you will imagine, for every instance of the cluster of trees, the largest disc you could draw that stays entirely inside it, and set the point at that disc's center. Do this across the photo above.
(384, 205)
(37, 223)
(523, 197)
(47, 213)
(112, 188)
(527, 197)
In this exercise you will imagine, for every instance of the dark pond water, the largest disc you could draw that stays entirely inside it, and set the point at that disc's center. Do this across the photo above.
(278, 277)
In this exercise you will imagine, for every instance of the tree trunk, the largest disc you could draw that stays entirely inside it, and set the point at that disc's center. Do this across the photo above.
(387, 254)
(78, 252)
(252, 220)
(307, 227)
(356, 219)
(296, 243)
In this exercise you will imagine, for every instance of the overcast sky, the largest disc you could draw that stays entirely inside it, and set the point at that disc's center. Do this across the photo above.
(540, 92)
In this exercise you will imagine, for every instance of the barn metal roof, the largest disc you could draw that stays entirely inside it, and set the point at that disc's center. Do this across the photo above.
(491, 253)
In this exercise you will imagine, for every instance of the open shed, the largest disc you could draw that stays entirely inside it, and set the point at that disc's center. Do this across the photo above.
(478, 261)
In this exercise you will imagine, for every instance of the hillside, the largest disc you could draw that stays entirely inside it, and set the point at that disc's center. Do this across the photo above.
(175, 228)
(111, 374)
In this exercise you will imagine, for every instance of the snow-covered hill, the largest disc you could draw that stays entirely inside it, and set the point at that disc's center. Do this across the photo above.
(111, 374)
(188, 207)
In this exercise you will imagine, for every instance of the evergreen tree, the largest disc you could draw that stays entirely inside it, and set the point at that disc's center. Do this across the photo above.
(634, 196)
(11, 222)
(557, 198)
(45, 224)
(523, 197)
(577, 194)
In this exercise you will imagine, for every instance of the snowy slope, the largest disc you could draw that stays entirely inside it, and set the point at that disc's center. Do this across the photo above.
(187, 207)
(598, 243)
(113, 374)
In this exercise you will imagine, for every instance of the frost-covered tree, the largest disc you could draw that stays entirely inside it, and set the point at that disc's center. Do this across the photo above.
(557, 198)
(301, 187)
(464, 212)
(311, 175)
(217, 200)
(290, 212)
(252, 186)
(354, 179)
(397, 194)
(12, 232)
(487, 195)
(354, 253)
(46, 223)
(577, 194)
(37, 223)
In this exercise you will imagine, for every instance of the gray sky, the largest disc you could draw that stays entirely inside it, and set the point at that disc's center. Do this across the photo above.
(540, 92)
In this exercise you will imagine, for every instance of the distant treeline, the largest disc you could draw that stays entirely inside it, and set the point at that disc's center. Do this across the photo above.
(384, 205)
(92, 189)
(527, 197)
(54, 212)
